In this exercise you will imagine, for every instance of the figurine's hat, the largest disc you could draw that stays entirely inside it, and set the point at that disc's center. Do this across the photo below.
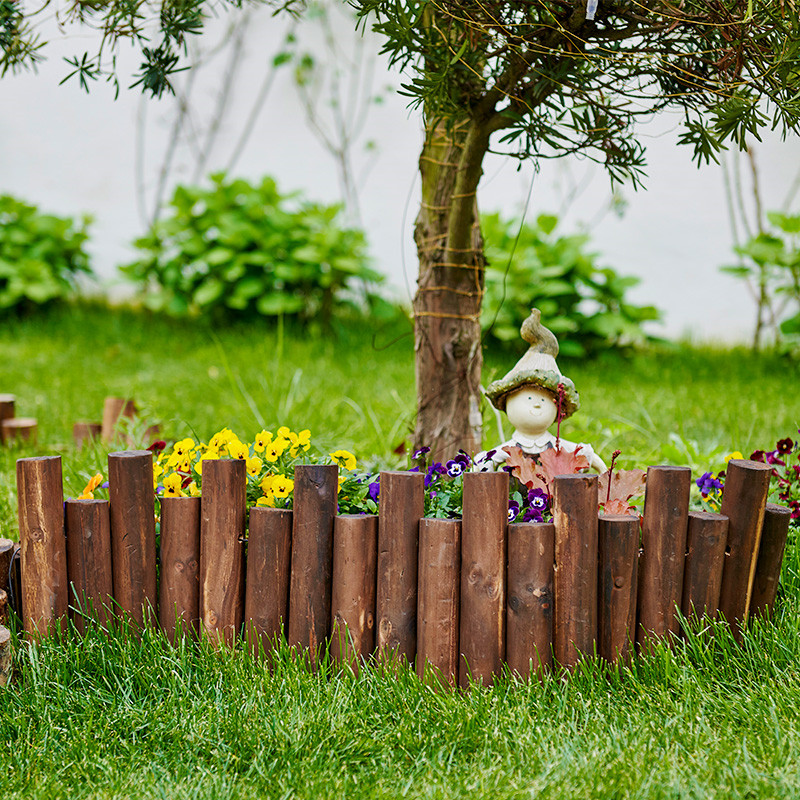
(538, 368)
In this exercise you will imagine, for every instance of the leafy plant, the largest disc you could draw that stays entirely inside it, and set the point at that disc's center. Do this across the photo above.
(770, 265)
(584, 304)
(41, 255)
(244, 249)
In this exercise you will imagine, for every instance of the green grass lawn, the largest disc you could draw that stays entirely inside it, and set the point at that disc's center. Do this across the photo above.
(122, 718)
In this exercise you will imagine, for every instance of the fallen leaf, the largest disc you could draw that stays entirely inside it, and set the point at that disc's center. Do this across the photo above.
(617, 506)
(561, 462)
(524, 468)
(625, 484)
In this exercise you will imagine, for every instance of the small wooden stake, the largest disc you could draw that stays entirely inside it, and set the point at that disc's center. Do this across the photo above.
(269, 553)
(89, 560)
(705, 560)
(5, 655)
(83, 432)
(438, 598)
(315, 492)
(575, 519)
(355, 563)
(19, 430)
(7, 548)
(113, 409)
(402, 505)
(7, 402)
(133, 533)
(664, 531)
(529, 632)
(179, 584)
(618, 544)
(483, 577)
(222, 527)
(44, 552)
(743, 502)
(770, 558)
(3, 608)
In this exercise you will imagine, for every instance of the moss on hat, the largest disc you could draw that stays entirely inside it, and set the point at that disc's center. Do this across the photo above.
(536, 368)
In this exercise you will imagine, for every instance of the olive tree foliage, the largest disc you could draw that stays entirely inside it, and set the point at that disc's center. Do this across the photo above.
(537, 79)
(160, 32)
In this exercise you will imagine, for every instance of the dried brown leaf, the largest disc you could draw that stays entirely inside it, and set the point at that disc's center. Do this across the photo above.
(625, 484)
(561, 462)
(524, 468)
(617, 506)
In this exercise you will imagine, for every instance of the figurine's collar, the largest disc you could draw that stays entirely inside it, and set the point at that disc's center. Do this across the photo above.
(534, 443)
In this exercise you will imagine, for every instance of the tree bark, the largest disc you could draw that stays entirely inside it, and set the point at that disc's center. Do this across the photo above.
(447, 331)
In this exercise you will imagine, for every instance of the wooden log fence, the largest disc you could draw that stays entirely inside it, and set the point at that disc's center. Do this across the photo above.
(462, 599)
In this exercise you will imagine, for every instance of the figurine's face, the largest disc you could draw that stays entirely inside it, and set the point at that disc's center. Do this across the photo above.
(531, 410)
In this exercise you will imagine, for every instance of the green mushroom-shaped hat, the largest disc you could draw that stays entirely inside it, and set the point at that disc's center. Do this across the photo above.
(537, 367)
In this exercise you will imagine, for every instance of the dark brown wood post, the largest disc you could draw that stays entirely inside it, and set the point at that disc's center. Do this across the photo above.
(266, 600)
(531, 592)
(113, 409)
(355, 566)
(482, 634)
(7, 548)
(705, 560)
(618, 547)
(45, 595)
(402, 505)
(179, 585)
(223, 509)
(744, 499)
(20, 430)
(7, 402)
(133, 533)
(575, 519)
(315, 493)
(664, 531)
(770, 558)
(438, 598)
(89, 561)
(5, 655)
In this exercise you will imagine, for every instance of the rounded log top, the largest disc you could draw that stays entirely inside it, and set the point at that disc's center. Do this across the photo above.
(82, 501)
(130, 454)
(7, 398)
(619, 518)
(669, 468)
(38, 459)
(773, 508)
(708, 515)
(744, 463)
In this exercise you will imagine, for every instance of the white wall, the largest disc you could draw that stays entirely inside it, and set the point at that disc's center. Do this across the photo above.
(70, 152)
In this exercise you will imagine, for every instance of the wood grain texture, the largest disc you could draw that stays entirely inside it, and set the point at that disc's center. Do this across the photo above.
(179, 584)
(575, 519)
(770, 557)
(402, 505)
(7, 547)
(483, 577)
(222, 528)
(133, 533)
(705, 561)
(45, 593)
(531, 596)
(438, 599)
(7, 404)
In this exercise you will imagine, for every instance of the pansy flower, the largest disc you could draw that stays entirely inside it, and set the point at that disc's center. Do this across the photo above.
(344, 459)
(455, 468)
(538, 500)
(262, 440)
(374, 490)
(785, 446)
(238, 450)
(254, 465)
(420, 453)
(88, 491)
(513, 510)
(282, 486)
(173, 486)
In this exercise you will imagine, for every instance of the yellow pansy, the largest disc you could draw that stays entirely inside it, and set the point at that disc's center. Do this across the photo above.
(194, 490)
(274, 450)
(341, 481)
(267, 500)
(254, 465)
(210, 455)
(172, 486)
(184, 447)
(238, 450)
(266, 483)
(344, 459)
(221, 438)
(262, 440)
(157, 471)
(282, 486)
(88, 491)
(284, 432)
(734, 454)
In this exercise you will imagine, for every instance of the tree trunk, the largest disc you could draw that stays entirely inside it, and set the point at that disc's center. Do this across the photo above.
(447, 305)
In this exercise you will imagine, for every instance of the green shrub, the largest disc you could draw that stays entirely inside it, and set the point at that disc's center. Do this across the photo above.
(582, 303)
(41, 255)
(239, 249)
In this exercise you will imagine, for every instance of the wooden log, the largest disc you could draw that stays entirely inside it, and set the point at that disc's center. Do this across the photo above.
(438, 599)
(5, 655)
(83, 432)
(15, 581)
(222, 528)
(575, 519)
(114, 409)
(44, 553)
(618, 549)
(179, 584)
(744, 500)
(770, 557)
(315, 493)
(89, 561)
(133, 534)
(7, 402)
(7, 548)
(269, 553)
(664, 531)
(355, 566)
(705, 560)
(483, 577)
(4, 610)
(402, 505)
(531, 591)
(19, 430)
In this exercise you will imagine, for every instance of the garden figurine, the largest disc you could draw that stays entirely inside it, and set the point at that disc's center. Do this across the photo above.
(534, 395)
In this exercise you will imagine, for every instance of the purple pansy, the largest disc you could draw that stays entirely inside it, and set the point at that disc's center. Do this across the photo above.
(513, 510)
(707, 483)
(532, 515)
(434, 470)
(374, 490)
(785, 446)
(773, 458)
(420, 453)
(455, 468)
(538, 499)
